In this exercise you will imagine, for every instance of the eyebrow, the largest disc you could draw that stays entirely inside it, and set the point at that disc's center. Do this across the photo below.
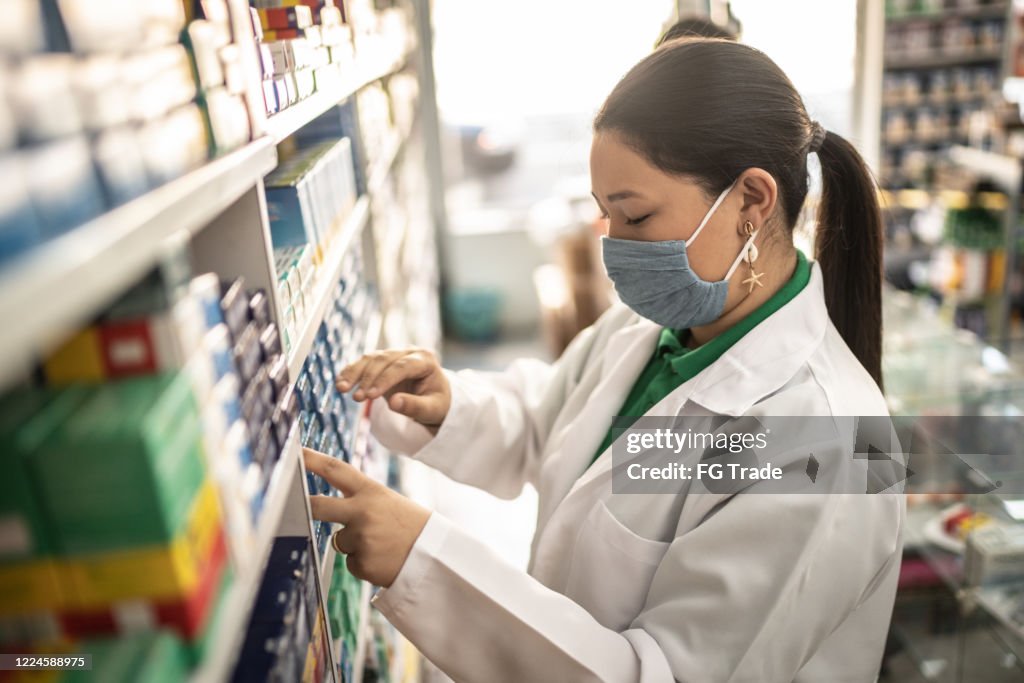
(619, 196)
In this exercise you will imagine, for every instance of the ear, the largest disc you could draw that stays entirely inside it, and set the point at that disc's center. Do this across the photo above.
(760, 196)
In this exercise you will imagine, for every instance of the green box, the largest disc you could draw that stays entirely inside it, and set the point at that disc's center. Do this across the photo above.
(124, 468)
(27, 418)
(154, 657)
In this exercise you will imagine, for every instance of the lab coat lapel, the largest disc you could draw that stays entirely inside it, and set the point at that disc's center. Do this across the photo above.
(757, 365)
(622, 360)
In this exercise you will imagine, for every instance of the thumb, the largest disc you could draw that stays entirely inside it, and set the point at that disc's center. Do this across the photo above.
(424, 409)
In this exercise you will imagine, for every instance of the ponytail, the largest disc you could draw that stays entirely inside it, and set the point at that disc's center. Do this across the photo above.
(848, 245)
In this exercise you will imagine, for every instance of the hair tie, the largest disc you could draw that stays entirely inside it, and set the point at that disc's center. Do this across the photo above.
(817, 137)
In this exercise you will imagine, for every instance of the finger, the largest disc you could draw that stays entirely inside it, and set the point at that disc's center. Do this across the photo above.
(350, 375)
(372, 372)
(338, 473)
(424, 409)
(332, 509)
(409, 366)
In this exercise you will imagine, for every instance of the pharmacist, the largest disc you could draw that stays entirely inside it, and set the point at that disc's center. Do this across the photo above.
(699, 161)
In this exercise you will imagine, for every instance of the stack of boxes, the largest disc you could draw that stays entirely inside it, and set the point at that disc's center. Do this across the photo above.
(343, 604)
(287, 636)
(305, 47)
(296, 275)
(310, 194)
(308, 198)
(102, 103)
(327, 418)
(141, 468)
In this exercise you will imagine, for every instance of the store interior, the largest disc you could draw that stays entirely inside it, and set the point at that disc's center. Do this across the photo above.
(210, 207)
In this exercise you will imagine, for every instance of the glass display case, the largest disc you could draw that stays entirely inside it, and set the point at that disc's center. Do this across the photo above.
(959, 612)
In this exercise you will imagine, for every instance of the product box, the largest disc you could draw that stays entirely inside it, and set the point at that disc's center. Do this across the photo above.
(203, 40)
(143, 656)
(227, 120)
(63, 185)
(19, 225)
(187, 616)
(158, 572)
(285, 17)
(175, 144)
(119, 161)
(122, 470)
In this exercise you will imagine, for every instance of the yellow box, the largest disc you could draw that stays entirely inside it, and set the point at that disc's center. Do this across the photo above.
(27, 587)
(151, 572)
(80, 359)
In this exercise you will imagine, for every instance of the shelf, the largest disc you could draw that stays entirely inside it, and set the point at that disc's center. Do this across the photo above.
(62, 283)
(328, 275)
(288, 121)
(233, 621)
(327, 568)
(984, 12)
(359, 662)
(1001, 168)
(949, 103)
(934, 61)
(382, 168)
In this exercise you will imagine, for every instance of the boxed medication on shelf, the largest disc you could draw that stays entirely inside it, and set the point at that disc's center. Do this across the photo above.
(174, 145)
(19, 225)
(23, 30)
(43, 99)
(123, 469)
(120, 165)
(299, 16)
(63, 184)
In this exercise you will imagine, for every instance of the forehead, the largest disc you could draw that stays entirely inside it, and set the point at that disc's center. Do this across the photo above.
(615, 166)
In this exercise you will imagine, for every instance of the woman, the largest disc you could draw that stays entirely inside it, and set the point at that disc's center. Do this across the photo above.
(699, 161)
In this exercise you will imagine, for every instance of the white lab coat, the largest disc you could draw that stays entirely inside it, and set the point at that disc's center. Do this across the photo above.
(650, 588)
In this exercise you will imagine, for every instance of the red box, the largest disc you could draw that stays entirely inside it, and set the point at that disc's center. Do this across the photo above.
(187, 617)
(275, 18)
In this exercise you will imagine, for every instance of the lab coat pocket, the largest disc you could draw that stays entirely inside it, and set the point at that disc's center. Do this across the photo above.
(612, 568)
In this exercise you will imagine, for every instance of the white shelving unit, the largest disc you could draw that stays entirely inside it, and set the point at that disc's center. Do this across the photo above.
(59, 285)
(238, 603)
(290, 120)
(219, 212)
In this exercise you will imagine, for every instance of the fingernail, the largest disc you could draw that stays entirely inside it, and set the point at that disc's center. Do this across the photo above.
(373, 393)
(343, 385)
(397, 403)
(358, 395)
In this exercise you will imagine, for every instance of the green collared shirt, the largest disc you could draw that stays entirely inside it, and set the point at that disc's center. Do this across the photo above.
(673, 363)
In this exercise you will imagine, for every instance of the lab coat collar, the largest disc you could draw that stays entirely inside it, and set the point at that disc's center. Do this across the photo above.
(754, 367)
(766, 357)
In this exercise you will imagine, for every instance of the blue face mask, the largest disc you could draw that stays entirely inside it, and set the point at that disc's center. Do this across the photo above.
(656, 281)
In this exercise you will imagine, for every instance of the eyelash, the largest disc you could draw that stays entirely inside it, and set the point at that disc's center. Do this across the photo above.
(629, 221)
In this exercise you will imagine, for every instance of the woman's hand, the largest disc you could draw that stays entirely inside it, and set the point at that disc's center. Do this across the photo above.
(380, 525)
(411, 380)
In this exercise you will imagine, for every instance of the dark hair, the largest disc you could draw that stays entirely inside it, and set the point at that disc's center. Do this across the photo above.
(709, 110)
(695, 27)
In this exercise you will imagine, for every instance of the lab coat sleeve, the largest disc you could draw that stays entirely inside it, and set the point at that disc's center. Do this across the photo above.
(748, 596)
(498, 422)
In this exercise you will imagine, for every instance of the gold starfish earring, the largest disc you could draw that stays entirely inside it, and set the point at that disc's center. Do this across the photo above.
(750, 256)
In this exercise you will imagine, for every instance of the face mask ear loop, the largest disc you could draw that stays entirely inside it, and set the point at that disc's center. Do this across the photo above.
(743, 252)
(710, 213)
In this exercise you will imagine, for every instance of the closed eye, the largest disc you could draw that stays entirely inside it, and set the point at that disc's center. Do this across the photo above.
(637, 221)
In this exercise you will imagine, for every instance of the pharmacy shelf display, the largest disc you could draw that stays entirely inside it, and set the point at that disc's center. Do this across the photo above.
(941, 69)
(219, 304)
